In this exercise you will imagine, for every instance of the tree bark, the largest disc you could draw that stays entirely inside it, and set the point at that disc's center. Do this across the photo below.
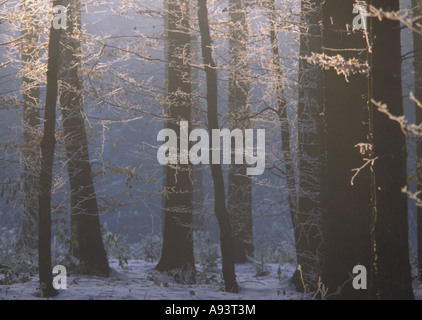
(199, 212)
(48, 143)
(221, 212)
(417, 48)
(87, 243)
(239, 198)
(312, 151)
(177, 250)
(346, 110)
(390, 267)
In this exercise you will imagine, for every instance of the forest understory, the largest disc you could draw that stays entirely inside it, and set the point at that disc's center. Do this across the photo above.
(139, 281)
(211, 149)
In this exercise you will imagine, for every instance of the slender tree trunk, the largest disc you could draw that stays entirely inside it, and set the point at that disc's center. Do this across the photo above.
(390, 274)
(221, 212)
(301, 231)
(48, 143)
(85, 222)
(239, 199)
(31, 122)
(346, 110)
(312, 150)
(199, 220)
(282, 114)
(417, 48)
(177, 251)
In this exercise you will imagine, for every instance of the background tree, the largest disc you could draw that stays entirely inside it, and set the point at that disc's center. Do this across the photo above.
(417, 47)
(220, 209)
(48, 143)
(31, 122)
(239, 198)
(312, 152)
(286, 139)
(177, 250)
(87, 241)
(199, 211)
(390, 267)
(346, 111)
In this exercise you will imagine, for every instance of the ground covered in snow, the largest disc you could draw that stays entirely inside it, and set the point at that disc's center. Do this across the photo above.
(139, 281)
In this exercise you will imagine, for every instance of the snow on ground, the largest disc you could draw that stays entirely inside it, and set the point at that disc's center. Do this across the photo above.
(418, 292)
(140, 282)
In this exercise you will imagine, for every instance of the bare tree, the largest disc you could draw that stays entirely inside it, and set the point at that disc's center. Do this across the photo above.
(221, 212)
(86, 235)
(417, 49)
(177, 250)
(31, 122)
(48, 143)
(312, 150)
(199, 218)
(239, 198)
(390, 267)
(285, 124)
(346, 112)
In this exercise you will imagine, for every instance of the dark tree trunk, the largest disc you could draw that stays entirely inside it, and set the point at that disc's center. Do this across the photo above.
(346, 110)
(177, 251)
(48, 143)
(87, 243)
(221, 212)
(312, 151)
(417, 48)
(31, 122)
(390, 274)
(239, 199)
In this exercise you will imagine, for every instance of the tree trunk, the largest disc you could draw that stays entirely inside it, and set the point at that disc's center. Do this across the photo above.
(346, 110)
(221, 212)
(390, 274)
(199, 213)
(48, 143)
(239, 199)
(85, 222)
(177, 251)
(312, 150)
(31, 122)
(417, 47)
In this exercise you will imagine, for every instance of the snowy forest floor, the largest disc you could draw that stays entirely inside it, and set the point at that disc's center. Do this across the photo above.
(139, 281)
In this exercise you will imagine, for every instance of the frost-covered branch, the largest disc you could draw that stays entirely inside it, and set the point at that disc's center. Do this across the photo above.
(339, 64)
